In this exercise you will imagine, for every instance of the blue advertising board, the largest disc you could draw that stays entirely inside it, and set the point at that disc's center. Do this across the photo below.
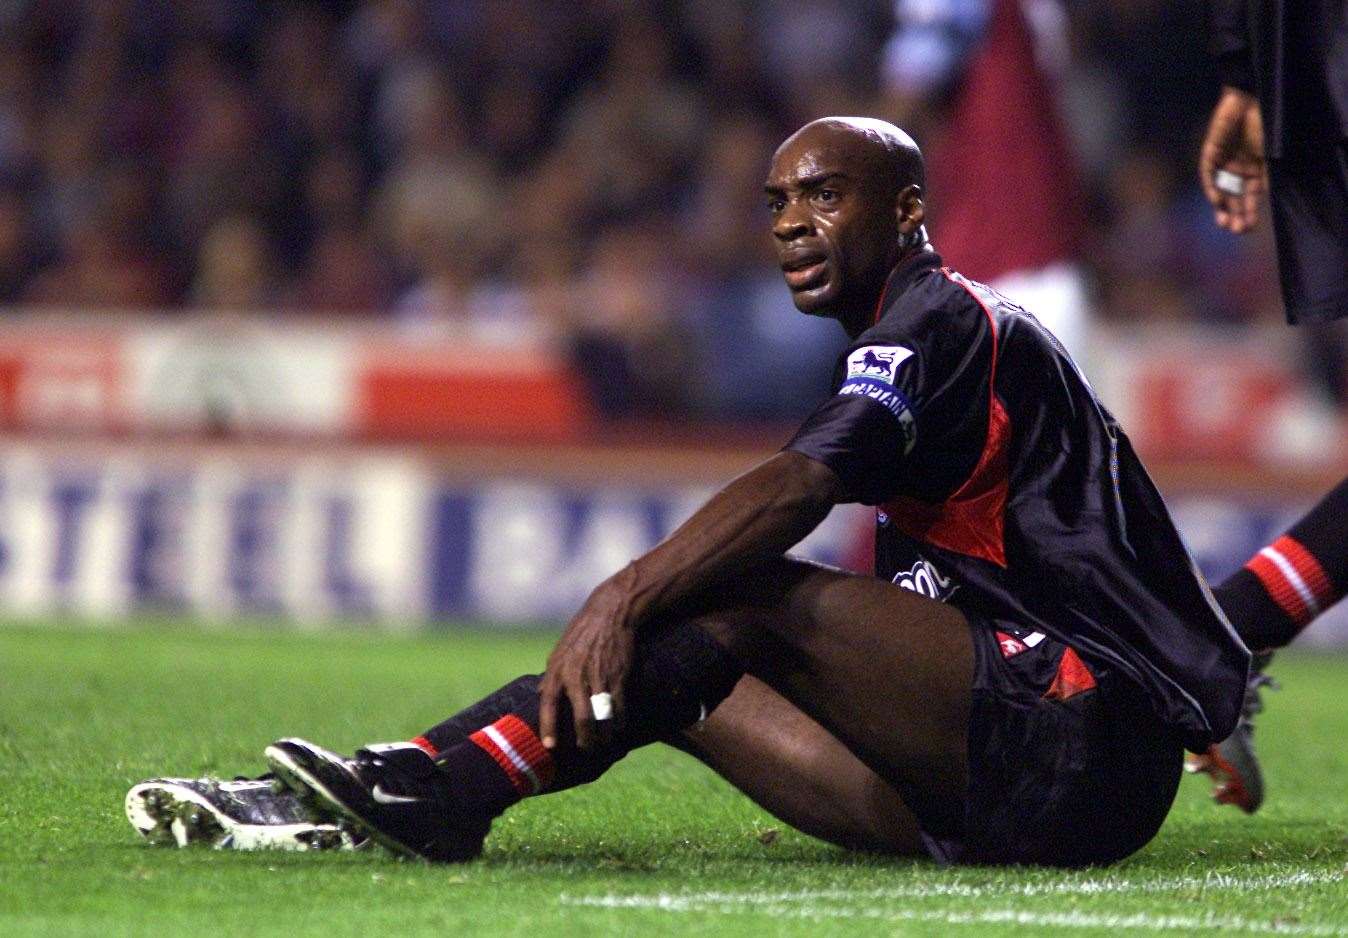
(389, 540)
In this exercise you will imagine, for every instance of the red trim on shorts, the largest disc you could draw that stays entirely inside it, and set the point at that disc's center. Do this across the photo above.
(1010, 645)
(1073, 677)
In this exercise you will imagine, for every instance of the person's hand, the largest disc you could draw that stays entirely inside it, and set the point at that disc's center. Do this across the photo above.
(1231, 162)
(593, 656)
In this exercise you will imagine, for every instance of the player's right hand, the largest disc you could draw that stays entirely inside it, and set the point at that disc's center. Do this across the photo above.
(1235, 143)
(593, 656)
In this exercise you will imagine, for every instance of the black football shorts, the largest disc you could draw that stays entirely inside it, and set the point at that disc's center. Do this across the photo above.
(1068, 766)
(1309, 201)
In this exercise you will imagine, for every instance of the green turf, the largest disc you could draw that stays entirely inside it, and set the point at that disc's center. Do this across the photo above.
(83, 714)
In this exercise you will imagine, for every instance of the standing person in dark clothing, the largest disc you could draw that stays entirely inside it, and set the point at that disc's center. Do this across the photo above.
(1281, 124)
(1282, 121)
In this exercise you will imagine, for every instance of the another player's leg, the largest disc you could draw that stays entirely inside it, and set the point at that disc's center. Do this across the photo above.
(243, 814)
(1270, 601)
(1287, 584)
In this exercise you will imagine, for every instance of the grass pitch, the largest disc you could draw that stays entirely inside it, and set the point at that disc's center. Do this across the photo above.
(659, 846)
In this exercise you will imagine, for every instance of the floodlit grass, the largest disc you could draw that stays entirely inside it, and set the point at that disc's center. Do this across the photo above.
(659, 846)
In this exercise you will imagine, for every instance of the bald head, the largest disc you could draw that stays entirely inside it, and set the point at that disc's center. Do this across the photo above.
(886, 150)
(846, 201)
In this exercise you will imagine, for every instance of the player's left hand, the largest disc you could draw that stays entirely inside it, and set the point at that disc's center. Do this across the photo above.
(593, 656)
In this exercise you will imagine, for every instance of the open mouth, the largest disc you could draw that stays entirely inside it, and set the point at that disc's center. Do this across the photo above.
(804, 272)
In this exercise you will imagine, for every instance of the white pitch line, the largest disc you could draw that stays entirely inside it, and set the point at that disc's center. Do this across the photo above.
(1066, 920)
(1085, 887)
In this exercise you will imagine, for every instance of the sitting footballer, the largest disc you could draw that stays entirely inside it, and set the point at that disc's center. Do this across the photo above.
(1036, 712)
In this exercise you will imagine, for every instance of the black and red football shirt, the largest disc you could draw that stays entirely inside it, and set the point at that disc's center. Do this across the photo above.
(996, 470)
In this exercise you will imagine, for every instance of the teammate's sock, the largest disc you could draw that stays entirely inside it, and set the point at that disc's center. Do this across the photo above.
(678, 677)
(1291, 581)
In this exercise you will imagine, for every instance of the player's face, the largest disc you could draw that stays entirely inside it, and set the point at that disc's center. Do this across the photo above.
(833, 225)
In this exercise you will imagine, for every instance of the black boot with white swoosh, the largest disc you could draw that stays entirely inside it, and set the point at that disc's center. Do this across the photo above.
(392, 791)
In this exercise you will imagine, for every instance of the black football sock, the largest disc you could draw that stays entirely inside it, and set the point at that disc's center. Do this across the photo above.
(678, 677)
(509, 699)
(1281, 589)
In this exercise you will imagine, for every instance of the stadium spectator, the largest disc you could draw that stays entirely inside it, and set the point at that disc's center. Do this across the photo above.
(18, 248)
(342, 274)
(235, 270)
(323, 123)
(978, 70)
(630, 346)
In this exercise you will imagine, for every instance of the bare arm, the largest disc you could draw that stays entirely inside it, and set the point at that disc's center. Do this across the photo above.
(763, 512)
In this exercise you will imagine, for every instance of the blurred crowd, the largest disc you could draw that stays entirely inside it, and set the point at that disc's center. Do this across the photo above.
(589, 171)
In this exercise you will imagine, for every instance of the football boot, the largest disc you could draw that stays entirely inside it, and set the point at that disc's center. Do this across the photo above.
(1232, 763)
(394, 792)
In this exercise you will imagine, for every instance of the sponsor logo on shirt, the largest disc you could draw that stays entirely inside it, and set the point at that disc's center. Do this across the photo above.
(877, 361)
(1012, 645)
(924, 579)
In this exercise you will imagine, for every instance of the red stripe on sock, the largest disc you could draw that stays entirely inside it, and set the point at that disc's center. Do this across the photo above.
(1279, 589)
(1306, 564)
(527, 748)
(426, 745)
(512, 772)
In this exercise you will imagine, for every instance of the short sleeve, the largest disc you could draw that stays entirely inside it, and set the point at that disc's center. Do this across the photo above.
(865, 431)
(910, 411)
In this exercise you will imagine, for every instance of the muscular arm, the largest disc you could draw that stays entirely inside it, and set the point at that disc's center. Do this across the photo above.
(763, 512)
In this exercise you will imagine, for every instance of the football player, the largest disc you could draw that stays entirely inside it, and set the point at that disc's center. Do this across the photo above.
(1036, 712)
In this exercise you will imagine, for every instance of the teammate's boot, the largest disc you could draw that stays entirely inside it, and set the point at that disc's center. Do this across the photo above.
(1232, 763)
(392, 791)
(245, 814)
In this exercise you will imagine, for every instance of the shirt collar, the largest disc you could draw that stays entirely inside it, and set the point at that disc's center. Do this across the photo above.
(903, 276)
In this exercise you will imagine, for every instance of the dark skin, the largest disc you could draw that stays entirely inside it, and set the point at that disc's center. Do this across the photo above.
(840, 214)
(857, 689)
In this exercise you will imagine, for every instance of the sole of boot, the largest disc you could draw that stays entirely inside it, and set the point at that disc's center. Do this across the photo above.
(168, 814)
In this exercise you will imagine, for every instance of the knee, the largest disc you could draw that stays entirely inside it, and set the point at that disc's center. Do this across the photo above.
(721, 629)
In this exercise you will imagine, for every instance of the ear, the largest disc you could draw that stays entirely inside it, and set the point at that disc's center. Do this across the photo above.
(909, 210)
